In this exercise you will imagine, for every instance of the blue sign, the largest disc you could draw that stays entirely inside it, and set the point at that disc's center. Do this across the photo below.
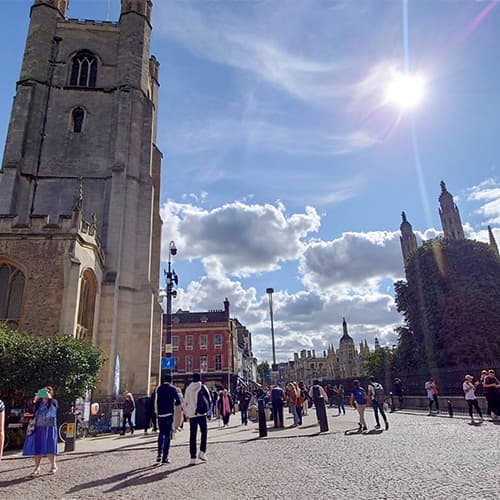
(168, 363)
(116, 379)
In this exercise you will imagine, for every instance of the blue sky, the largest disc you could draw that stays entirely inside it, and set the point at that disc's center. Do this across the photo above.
(284, 167)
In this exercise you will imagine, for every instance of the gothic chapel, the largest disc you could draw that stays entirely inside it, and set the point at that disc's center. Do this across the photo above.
(80, 227)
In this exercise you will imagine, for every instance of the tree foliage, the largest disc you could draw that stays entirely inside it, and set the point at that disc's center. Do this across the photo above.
(264, 371)
(450, 302)
(27, 363)
(379, 363)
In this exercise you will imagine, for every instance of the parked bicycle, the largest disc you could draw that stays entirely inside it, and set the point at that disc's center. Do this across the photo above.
(99, 426)
(80, 431)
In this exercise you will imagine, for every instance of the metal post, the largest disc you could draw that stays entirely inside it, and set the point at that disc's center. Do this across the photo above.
(262, 418)
(270, 292)
(171, 279)
(450, 409)
(69, 442)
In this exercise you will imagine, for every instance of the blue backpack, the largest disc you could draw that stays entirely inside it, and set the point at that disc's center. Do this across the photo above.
(359, 395)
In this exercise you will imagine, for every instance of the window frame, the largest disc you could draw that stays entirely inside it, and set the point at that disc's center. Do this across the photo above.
(216, 345)
(204, 346)
(203, 361)
(80, 75)
(175, 345)
(218, 365)
(188, 347)
(15, 269)
(189, 358)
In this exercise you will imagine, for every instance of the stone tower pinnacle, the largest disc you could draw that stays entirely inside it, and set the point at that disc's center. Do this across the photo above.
(407, 238)
(493, 243)
(450, 216)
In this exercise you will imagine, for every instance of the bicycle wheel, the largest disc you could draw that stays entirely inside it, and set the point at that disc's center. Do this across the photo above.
(80, 431)
(62, 432)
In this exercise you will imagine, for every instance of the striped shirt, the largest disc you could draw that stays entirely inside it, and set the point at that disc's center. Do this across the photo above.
(2, 406)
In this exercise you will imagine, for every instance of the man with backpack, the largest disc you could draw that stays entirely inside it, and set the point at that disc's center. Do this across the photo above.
(376, 395)
(196, 406)
(358, 401)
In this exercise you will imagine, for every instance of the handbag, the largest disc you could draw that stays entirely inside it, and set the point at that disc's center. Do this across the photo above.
(31, 427)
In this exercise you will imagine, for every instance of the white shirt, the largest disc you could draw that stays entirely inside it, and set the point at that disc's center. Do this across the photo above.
(470, 390)
(429, 386)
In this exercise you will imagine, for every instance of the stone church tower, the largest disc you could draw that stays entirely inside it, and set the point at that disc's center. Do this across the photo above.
(407, 238)
(450, 216)
(347, 355)
(80, 228)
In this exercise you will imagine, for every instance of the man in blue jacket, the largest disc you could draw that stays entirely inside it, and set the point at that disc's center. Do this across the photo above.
(165, 397)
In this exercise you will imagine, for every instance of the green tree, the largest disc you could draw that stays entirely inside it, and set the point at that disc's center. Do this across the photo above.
(27, 363)
(379, 363)
(407, 357)
(450, 302)
(264, 371)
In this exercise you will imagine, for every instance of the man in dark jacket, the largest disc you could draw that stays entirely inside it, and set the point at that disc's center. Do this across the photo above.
(277, 398)
(244, 398)
(150, 415)
(165, 397)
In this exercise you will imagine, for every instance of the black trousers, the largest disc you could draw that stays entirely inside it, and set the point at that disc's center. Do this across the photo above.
(194, 423)
(127, 417)
(278, 413)
(472, 403)
(376, 408)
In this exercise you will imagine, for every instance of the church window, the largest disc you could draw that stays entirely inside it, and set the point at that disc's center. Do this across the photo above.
(77, 117)
(12, 281)
(83, 70)
(86, 308)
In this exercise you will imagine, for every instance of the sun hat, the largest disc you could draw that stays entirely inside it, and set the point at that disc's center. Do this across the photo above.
(469, 377)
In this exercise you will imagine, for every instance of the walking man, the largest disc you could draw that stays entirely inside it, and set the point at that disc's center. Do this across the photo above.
(358, 401)
(376, 395)
(277, 397)
(165, 397)
(244, 398)
(196, 406)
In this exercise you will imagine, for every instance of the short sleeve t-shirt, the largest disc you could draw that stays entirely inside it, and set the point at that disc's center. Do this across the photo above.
(470, 394)
(429, 387)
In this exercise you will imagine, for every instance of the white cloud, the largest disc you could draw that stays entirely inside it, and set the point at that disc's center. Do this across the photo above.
(488, 194)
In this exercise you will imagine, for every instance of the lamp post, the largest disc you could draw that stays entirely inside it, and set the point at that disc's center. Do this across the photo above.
(270, 292)
(171, 280)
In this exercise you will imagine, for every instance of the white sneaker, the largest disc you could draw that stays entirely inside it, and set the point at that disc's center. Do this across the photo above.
(193, 461)
(202, 456)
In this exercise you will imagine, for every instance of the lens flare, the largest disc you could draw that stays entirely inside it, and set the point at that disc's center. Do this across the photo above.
(405, 91)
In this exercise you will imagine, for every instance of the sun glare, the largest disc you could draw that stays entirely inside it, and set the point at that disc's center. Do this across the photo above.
(405, 91)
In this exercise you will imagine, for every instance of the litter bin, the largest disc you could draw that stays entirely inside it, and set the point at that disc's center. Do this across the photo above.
(116, 419)
(140, 412)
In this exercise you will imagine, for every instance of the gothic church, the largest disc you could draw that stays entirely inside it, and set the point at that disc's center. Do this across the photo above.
(80, 227)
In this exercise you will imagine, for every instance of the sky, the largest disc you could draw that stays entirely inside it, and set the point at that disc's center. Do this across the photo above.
(287, 164)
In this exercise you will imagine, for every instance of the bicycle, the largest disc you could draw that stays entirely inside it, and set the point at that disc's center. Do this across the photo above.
(80, 431)
(99, 426)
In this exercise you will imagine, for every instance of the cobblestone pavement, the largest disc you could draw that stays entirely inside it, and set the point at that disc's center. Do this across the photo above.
(418, 458)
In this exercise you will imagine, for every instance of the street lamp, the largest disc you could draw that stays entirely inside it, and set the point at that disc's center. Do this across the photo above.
(270, 292)
(171, 280)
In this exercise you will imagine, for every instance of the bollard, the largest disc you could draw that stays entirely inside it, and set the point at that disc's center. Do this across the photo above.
(393, 405)
(450, 409)
(69, 443)
(262, 419)
(321, 413)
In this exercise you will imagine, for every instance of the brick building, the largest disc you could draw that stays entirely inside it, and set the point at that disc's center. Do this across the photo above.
(212, 343)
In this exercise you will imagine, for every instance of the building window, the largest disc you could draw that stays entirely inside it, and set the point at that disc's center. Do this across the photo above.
(218, 362)
(188, 361)
(12, 281)
(189, 342)
(218, 341)
(86, 308)
(203, 341)
(175, 343)
(77, 116)
(83, 70)
(203, 363)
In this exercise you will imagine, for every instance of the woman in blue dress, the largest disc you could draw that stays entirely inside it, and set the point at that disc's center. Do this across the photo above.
(43, 440)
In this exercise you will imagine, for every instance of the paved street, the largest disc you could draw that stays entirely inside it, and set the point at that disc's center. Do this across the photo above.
(419, 457)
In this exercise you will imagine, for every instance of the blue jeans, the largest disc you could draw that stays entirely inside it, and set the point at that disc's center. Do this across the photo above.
(341, 405)
(165, 435)
(244, 414)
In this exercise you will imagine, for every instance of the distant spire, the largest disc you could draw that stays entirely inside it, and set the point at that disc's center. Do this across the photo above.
(345, 335)
(377, 343)
(407, 239)
(450, 216)
(443, 187)
(493, 243)
(403, 215)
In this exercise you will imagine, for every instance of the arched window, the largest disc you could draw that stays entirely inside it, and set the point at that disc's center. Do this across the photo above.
(77, 116)
(86, 308)
(12, 281)
(83, 70)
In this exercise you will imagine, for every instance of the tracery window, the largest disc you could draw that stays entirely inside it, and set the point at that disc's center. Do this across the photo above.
(83, 70)
(86, 307)
(12, 281)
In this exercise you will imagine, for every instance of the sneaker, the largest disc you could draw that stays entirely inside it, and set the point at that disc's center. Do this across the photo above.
(365, 428)
(158, 459)
(165, 461)
(377, 426)
(386, 425)
(202, 456)
(193, 461)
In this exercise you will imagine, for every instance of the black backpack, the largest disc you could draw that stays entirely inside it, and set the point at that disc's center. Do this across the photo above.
(203, 401)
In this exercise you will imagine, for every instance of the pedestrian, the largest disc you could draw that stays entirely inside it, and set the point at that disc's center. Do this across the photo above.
(214, 398)
(196, 405)
(165, 398)
(358, 401)
(304, 398)
(42, 440)
(244, 398)
(469, 388)
(277, 398)
(491, 386)
(432, 395)
(225, 407)
(341, 398)
(376, 395)
(178, 414)
(319, 398)
(2, 425)
(128, 409)
(291, 398)
(150, 414)
(398, 392)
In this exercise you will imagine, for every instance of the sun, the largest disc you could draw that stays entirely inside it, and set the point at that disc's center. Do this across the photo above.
(405, 90)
